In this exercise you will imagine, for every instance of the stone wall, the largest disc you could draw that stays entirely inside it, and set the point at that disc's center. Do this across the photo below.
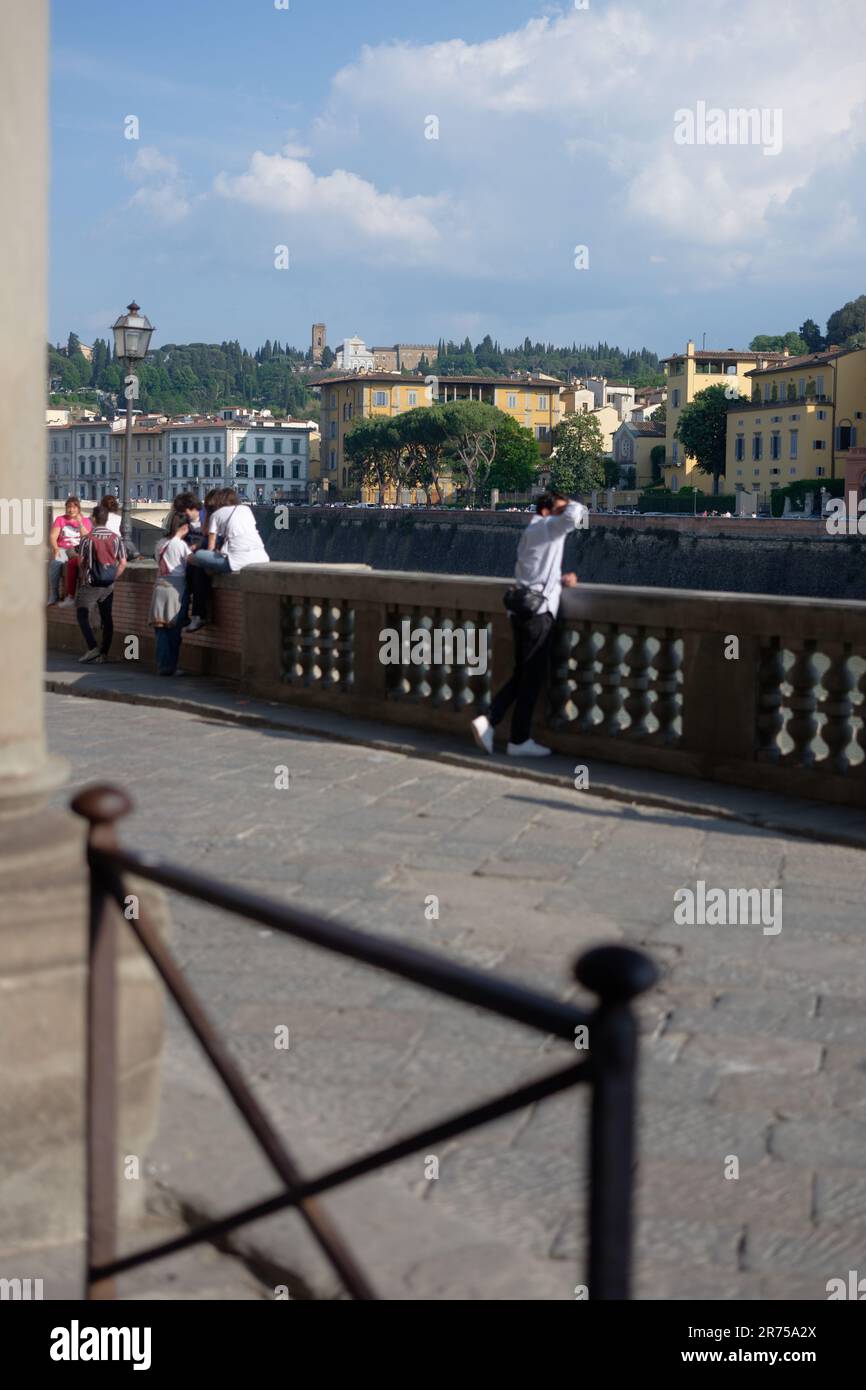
(767, 556)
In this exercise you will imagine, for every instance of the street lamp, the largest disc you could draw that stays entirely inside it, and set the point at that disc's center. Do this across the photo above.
(132, 334)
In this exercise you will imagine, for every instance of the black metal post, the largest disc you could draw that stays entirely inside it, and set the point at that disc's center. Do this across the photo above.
(616, 974)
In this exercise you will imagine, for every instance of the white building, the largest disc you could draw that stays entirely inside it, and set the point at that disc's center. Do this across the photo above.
(79, 460)
(620, 397)
(353, 355)
(196, 456)
(270, 459)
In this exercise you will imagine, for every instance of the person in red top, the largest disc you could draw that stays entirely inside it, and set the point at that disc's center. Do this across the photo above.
(65, 536)
(103, 560)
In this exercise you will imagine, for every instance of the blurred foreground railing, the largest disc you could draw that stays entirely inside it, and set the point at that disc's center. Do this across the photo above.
(615, 973)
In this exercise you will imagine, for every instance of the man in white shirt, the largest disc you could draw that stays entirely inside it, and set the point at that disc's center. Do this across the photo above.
(539, 583)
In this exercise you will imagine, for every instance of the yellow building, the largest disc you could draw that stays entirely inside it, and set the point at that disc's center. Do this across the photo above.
(532, 401)
(688, 374)
(802, 418)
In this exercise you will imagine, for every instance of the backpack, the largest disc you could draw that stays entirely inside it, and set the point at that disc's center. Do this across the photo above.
(104, 560)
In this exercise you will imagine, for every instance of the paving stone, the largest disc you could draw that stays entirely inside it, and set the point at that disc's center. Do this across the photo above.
(732, 1053)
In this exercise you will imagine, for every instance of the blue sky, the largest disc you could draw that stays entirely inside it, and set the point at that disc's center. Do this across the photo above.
(308, 128)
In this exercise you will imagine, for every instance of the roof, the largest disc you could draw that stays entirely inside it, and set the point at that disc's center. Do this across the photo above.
(811, 359)
(645, 427)
(728, 355)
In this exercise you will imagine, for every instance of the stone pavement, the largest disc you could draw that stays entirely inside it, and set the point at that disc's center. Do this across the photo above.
(753, 1047)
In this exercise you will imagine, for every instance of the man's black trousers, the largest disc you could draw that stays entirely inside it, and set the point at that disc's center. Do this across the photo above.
(532, 643)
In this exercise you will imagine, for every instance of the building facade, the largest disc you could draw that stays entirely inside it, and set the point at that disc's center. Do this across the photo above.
(633, 444)
(353, 355)
(802, 418)
(269, 461)
(688, 374)
(534, 403)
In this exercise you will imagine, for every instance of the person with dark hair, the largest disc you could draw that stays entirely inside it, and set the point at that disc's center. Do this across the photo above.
(167, 603)
(233, 539)
(102, 562)
(532, 603)
(64, 538)
(112, 506)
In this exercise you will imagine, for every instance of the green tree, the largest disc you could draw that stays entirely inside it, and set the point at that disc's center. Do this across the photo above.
(578, 461)
(424, 433)
(847, 321)
(660, 415)
(471, 427)
(327, 358)
(517, 461)
(657, 461)
(702, 430)
(812, 336)
(376, 451)
(766, 342)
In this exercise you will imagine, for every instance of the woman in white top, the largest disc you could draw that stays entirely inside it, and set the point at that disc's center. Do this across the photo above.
(233, 540)
(112, 506)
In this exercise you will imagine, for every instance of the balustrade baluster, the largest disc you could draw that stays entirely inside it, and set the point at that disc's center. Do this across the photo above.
(584, 655)
(668, 704)
(803, 723)
(838, 730)
(770, 717)
(612, 696)
(638, 701)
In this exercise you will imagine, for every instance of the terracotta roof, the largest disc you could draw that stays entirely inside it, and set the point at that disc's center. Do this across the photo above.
(811, 359)
(727, 355)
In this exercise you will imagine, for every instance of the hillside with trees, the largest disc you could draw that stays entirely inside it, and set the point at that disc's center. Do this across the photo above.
(487, 358)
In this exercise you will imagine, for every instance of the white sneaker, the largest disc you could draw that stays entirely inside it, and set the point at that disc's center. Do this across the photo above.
(529, 749)
(482, 732)
(66, 603)
(92, 655)
(194, 624)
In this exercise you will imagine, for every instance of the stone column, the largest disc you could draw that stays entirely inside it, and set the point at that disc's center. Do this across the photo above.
(43, 883)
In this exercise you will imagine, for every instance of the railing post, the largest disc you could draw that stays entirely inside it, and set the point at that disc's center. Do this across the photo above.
(616, 974)
(101, 807)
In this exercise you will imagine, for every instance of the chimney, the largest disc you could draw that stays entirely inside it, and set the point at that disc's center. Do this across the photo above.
(690, 348)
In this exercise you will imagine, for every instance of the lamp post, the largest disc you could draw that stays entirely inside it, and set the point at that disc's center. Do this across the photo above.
(132, 334)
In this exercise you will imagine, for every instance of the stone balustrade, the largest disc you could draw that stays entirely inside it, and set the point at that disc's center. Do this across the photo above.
(761, 692)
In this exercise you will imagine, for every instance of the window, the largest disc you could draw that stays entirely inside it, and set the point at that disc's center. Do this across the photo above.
(207, 470)
(138, 443)
(541, 432)
(184, 448)
(260, 446)
(512, 400)
(380, 398)
(413, 398)
(332, 461)
(675, 397)
(278, 471)
(92, 463)
(242, 470)
(542, 402)
(845, 438)
(206, 445)
(775, 445)
(775, 470)
(740, 448)
(242, 446)
(821, 414)
(184, 470)
(757, 447)
(217, 470)
(794, 443)
(792, 472)
(801, 388)
(174, 470)
(819, 444)
(334, 399)
(820, 471)
(296, 470)
(149, 445)
(260, 470)
(675, 453)
(333, 430)
(820, 385)
(102, 468)
(93, 441)
(102, 440)
(296, 446)
(739, 472)
(278, 448)
(766, 390)
(774, 419)
(791, 393)
(757, 471)
(195, 446)
(794, 417)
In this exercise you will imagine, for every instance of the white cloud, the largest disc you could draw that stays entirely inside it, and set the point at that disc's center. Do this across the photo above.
(340, 205)
(162, 194)
(578, 110)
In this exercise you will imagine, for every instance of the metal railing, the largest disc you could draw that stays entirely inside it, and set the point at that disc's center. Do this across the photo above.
(616, 974)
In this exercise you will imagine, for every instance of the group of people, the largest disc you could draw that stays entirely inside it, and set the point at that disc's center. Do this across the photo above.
(219, 537)
(198, 541)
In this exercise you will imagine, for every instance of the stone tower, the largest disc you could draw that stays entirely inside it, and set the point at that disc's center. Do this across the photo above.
(320, 337)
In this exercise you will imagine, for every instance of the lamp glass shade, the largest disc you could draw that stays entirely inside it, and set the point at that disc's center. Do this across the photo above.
(132, 334)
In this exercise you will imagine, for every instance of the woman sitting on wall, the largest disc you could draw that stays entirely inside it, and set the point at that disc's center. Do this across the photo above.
(233, 539)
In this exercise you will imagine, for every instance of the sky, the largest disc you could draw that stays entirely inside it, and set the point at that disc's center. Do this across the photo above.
(411, 171)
